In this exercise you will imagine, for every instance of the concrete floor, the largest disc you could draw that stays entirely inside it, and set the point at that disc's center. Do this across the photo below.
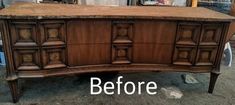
(75, 90)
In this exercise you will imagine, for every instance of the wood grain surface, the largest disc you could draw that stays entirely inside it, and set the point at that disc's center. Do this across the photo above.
(48, 11)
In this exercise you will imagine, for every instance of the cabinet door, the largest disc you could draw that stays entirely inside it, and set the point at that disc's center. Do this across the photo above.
(52, 33)
(121, 54)
(184, 55)
(53, 58)
(211, 34)
(206, 55)
(27, 59)
(188, 33)
(23, 33)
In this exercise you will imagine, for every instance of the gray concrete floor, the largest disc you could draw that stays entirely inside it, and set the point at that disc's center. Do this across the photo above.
(75, 90)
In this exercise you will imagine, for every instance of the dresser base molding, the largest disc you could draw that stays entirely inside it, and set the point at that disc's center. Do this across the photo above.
(109, 68)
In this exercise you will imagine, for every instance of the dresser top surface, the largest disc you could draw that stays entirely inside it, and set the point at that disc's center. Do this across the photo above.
(70, 11)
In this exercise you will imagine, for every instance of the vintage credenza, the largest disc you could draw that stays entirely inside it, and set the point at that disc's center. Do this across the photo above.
(43, 40)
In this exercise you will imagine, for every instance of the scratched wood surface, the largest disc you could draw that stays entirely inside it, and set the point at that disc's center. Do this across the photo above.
(61, 11)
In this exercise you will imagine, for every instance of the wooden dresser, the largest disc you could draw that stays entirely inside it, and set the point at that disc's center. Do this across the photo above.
(44, 40)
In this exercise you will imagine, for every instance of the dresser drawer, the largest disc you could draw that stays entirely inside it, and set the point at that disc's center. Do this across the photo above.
(122, 32)
(27, 59)
(52, 33)
(121, 53)
(23, 33)
(211, 34)
(188, 33)
(206, 55)
(53, 58)
(184, 55)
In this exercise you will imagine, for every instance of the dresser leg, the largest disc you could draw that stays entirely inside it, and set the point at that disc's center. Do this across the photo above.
(213, 79)
(14, 90)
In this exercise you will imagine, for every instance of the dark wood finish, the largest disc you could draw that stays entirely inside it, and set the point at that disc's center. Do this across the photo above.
(152, 53)
(121, 53)
(154, 32)
(13, 85)
(184, 55)
(206, 55)
(40, 42)
(122, 32)
(213, 79)
(52, 33)
(24, 33)
(27, 59)
(92, 54)
(53, 58)
(188, 33)
(89, 32)
(211, 34)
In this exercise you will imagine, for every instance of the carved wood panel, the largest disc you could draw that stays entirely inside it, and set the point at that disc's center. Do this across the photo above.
(211, 34)
(184, 55)
(188, 33)
(23, 33)
(53, 58)
(52, 33)
(206, 55)
(122, 32)
(121, 53)
(27, 59)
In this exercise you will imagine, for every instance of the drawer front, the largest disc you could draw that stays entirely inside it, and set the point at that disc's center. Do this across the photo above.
(122, 41)
(91, 54)
(184, 55)
(27, 59)
(121, 54)
(53, 44)
(52, 33)
(188, 33)
(53, 58)
(122, 32)
(89, 31)
(205, 37)
(154, 32)
(211, 34)
(152, 53)
(24, 33)
(206, 55)
(38, 45)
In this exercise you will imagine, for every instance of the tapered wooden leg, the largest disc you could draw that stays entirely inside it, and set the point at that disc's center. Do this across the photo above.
(213, 79)
(14, 90)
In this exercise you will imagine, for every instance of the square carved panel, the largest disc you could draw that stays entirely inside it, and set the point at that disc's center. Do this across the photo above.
(24, 34)
(211, 34)
(122, 32)
(53, 58)
(188, 33)
(121, 54)
(184, 55)
(27, 59)
(206, 55)
(52, 33)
